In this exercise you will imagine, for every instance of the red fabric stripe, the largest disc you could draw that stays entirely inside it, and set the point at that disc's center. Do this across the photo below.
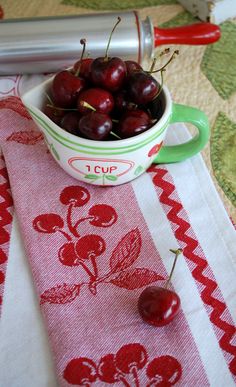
(216, 307)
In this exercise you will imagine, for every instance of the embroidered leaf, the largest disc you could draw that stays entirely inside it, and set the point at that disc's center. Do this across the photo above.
(60, 294)
(14, 103)
(127, 251)
(27, 137)
(136, 278)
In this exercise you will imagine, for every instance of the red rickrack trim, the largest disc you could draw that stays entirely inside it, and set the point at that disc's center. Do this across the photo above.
(218, 311)
(6, 207)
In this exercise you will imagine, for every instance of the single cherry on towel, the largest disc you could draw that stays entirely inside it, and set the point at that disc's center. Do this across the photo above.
(157, 305)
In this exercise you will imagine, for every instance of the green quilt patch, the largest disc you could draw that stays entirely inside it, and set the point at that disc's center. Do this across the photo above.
(219, 61)
(223, 145)
(116, 4)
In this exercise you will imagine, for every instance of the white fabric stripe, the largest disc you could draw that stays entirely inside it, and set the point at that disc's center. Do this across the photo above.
(215, 226)
(184, 285)
(24, 349)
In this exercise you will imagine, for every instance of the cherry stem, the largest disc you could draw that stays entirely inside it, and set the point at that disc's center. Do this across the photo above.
(161, 86)
(153, 65)
(91, 275)
(69, 221)
(68, 237)
(109, 41)
(83, 42)
(82, 220)
(135, 375)
(115, 135)
(58, 108)
(49, 99)
(177, 253)
(94, 264)
(176, 52)
(87, 105)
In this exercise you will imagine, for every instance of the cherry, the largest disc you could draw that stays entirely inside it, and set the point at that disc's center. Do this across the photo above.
(133, 122)
(95, 126)
(122, 102)
(131, 356)
(101, 100)
(106, 72)
(142, 87)
(132, 66)
(48, 223)
(70, 122)
(164, 370)
(90, 246)
(54, 113)
(81, 371)
(103, 215)
(109, 73)
(65, 88)
(84, 67)
(67, 254)
(76, 195)
(158, 306)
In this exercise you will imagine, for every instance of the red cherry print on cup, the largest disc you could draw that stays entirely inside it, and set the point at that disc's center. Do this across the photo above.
(80, 372)
(76, 195)
(131, 357)
(164, 371)
(103, 215)
(67, 254)
(155, 149)
(90, 246)
(48, 223)
(157, 305)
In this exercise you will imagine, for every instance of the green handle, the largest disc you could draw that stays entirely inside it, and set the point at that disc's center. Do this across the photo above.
(175, 153)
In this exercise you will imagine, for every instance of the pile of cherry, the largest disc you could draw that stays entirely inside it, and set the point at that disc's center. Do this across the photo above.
(104, 98)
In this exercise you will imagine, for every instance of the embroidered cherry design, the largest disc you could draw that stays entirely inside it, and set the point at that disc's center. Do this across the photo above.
(130, 358)
(76, 195)
(80, 371)
(163, 371)
(48, 223)
(107, 370)
(90, 246)
(67, 254)
(158, 306)
(103, 215)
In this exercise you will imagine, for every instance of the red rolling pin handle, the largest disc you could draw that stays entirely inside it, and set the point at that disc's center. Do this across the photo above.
(194, 34)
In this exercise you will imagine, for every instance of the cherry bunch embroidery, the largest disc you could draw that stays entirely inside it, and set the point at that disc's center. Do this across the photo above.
(128, 366)
(84, 250)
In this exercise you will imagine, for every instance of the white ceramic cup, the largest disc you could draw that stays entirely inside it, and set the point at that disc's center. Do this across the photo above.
(117, 162)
